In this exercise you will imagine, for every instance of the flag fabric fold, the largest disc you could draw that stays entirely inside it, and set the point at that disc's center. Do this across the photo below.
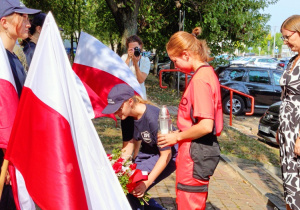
(53, 143)
(101, 69)
(8, 98)
(9, 101)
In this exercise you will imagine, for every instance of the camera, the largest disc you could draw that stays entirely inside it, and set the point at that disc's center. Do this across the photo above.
(137, 51)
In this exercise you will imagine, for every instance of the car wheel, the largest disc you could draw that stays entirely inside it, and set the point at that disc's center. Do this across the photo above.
(238, 105)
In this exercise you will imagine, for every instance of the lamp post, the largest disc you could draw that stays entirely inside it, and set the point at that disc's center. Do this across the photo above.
(181, 28)
(274, 41)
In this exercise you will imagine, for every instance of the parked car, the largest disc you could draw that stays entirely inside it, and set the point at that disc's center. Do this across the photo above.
(241, 61)
(262, 62)
(283, 62)
(261, 83)
(269, 122)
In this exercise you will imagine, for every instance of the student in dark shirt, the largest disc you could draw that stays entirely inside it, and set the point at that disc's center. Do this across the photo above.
(140, 124)
(29, 44)
(14, 24)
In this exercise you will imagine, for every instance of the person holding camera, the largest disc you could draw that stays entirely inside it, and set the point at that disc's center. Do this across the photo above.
(138, 64)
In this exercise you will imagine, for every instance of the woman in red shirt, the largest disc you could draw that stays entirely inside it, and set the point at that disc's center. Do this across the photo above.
(200, 121)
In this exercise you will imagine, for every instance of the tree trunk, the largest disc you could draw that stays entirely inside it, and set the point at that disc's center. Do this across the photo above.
(72, 49)
(155, 62)
(125, 15)
(111, 41)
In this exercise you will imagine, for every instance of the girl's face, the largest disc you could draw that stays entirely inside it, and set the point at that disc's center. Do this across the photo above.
(124, 111)
(291, 39)
(183, 62)
(18, 26)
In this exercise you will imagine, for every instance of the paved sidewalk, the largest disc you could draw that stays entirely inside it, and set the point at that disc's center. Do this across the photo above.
(236, 184)
(227, 190)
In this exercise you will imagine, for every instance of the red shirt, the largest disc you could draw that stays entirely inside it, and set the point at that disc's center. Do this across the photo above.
(202, 100)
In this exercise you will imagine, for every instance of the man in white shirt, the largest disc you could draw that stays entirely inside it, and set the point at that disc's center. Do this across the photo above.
(138, 64)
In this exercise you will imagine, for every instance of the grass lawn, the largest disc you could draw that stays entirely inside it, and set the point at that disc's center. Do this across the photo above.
(231, 142)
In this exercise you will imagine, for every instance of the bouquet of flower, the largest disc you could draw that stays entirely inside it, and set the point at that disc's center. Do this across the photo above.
(127, 173)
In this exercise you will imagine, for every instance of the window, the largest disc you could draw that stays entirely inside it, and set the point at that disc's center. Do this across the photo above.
(271, 61)
(237, 74)
(277, 76)
(259, 76)
(262, 60)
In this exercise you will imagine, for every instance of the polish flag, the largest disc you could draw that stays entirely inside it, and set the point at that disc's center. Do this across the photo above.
(8, 98)
(53, 141)
(101, 69)
(9, 101)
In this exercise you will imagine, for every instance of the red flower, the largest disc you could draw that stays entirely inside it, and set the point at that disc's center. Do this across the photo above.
(132, 166)
(120, 160)
(130, 187)
(109, 156)
(117, 167)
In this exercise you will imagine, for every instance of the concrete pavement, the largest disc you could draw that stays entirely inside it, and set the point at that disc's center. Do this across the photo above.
(236, 184)
(227, 190)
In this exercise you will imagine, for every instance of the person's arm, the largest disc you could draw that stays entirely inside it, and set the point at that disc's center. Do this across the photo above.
(127, 149)
(142, 68)
(127, 136)
(137, 145)
(7, 176)
(202, 128)
(161, 164)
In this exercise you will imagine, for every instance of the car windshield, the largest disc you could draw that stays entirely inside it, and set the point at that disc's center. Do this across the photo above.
(247, 59)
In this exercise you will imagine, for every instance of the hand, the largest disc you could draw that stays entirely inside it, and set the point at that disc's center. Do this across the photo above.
(164, 140)
(140, 189)
(130, 52)
(135, 59)
(297, 146)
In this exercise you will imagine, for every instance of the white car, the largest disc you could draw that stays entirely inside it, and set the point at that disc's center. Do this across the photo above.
(241, 61)
(262, 62)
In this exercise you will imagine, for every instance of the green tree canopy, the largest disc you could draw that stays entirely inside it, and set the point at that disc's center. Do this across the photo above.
(227, 24)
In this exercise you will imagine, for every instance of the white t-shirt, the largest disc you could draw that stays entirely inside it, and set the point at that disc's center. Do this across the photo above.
(144, 64)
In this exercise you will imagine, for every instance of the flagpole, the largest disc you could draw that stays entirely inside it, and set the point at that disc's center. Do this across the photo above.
(3, 175)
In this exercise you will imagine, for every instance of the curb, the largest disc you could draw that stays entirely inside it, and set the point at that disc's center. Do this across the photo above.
(271, 200)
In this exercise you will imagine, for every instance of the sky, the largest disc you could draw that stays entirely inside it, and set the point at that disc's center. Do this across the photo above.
(281, 11)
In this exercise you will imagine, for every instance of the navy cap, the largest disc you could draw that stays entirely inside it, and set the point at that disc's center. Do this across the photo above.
(117, 96)
(8, 7)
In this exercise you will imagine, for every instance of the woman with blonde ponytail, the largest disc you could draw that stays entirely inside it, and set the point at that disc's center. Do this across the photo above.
(200, 121)
(139, 122)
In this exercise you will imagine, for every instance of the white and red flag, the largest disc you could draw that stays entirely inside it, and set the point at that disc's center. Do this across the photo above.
(101, 69)
(8, 98)
(53, 142)
(9, 101)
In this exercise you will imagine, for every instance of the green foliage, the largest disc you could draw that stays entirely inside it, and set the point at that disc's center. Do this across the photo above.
(265, 50)
(116, 153)
(227, 24)
(158, 95)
